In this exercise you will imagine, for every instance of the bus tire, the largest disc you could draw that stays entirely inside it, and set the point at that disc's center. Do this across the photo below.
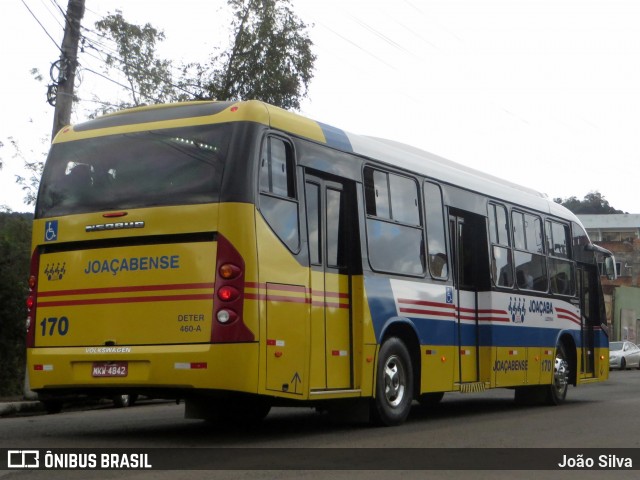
(121, 401)
(557, 391)
(394, 384)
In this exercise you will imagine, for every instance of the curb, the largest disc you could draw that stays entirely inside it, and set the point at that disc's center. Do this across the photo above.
(11, 408)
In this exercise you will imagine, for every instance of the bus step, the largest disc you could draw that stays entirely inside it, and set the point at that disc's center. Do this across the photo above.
(472, 387)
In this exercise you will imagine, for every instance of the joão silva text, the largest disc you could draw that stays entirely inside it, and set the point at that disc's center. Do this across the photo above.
(604, 461)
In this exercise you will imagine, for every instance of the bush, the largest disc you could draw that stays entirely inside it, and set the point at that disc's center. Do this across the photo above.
(15, 246)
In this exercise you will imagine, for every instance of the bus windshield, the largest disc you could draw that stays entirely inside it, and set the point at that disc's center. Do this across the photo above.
(133, 170)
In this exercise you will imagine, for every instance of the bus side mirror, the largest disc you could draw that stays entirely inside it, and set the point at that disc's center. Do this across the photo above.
(610, 267)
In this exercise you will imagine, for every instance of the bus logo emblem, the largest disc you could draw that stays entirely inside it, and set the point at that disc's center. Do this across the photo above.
(51, 231)
(517, 309)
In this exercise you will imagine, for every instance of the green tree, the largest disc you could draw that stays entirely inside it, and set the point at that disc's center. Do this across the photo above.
(270, 58)
(15, 245)
(593, 203)
(149, 78)
(34, 163)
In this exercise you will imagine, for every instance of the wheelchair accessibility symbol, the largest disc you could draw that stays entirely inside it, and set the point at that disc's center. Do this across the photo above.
(51, 231)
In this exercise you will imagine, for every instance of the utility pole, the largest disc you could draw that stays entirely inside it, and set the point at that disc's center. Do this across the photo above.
(68, 64)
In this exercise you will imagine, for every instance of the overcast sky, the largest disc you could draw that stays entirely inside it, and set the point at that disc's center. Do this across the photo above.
(542, 93)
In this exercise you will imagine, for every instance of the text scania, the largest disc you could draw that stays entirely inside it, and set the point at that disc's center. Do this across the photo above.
(538, 306)
(132, 264)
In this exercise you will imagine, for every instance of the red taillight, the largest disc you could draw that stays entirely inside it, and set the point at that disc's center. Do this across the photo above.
(32, 299)
(114, 214)
(228, 294)
(227, 324)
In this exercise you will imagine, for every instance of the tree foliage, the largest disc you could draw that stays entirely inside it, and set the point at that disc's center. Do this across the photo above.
(15, 245)
(593, 203)
(149, 78)
(34, 164)
(270, 58)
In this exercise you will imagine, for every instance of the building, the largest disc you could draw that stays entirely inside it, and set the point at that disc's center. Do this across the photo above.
(620, 234)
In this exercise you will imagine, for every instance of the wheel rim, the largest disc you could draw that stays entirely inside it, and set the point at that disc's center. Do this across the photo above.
(561, 375)
(395, 381)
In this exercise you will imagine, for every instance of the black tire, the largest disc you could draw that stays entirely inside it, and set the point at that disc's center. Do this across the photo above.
(394, 384)
(557, 391)
(122, 401)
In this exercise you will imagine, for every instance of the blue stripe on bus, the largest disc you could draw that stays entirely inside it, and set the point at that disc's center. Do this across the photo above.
(381, 303)
(445, 332)
(336, 138)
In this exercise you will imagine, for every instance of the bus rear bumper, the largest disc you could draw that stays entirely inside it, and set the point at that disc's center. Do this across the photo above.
(174, 368)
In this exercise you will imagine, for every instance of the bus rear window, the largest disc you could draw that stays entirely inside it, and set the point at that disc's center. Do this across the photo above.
(134, 170)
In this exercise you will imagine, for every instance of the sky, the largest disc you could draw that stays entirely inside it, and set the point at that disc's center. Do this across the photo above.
(543, 93)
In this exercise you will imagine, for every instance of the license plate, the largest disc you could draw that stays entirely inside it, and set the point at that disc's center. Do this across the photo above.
(110, 369)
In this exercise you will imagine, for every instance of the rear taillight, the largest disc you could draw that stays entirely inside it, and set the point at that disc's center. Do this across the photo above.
(227, 323)
(32, 299)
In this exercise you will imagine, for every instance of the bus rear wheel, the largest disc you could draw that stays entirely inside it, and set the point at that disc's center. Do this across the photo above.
(557, 391)
(394, 384)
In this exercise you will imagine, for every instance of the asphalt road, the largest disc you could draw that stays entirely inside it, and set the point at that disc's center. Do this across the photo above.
(599, 416)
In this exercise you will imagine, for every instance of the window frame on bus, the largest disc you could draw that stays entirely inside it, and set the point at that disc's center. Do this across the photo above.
(374, 221)
(555, 260)
(438, 222)
(524, 279)
(271, 203)
(500, 241)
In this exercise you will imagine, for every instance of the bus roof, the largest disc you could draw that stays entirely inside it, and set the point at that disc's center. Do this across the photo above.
(419, 161)
(386, 151)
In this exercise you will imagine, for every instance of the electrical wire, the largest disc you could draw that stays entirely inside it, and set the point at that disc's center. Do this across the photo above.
(42, 26)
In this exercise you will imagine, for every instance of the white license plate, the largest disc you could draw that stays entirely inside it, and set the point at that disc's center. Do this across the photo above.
(110, 369)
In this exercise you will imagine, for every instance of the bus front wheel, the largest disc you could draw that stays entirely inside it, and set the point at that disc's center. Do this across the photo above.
(394, 384)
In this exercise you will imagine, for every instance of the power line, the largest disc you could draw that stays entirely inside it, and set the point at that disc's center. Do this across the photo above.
(51, 13)
(43, 28)
(117, 83)
(137, 68)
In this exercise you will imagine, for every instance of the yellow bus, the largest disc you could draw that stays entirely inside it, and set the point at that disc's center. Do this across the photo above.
(237, 256)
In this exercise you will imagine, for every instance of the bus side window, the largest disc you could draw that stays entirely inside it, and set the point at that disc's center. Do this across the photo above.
(530, 261)
(394, 231)
(278, 203)
(436, 243)
(276, 168)
(561, 269)
(501, 256)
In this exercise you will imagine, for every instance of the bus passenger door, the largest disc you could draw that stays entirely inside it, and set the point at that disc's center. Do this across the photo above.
(465, 299)
(330, 220)
(589, 318)
(471, 275)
